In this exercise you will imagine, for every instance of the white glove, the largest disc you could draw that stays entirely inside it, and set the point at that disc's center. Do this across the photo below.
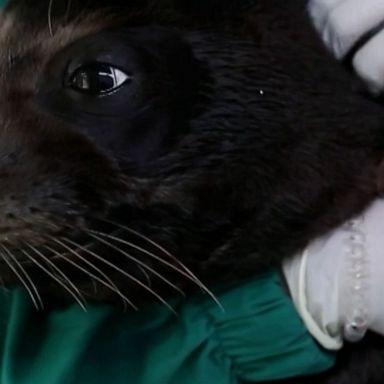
(337, 284)
(343, 24)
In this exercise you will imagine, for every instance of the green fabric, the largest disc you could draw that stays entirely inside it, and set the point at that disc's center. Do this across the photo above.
(258, 337)
(2, 3)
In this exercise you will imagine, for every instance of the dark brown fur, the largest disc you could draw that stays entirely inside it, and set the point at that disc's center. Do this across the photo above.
(238, 141)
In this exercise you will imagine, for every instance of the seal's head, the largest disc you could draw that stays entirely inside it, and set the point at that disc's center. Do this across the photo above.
(140, 141)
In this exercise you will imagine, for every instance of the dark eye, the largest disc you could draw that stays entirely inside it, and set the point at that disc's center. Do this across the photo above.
(98, 79)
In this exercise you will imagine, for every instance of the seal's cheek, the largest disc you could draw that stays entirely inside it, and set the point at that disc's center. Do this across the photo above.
(50, 176)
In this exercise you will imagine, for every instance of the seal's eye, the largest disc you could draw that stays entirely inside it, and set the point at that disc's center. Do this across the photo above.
(98, 79)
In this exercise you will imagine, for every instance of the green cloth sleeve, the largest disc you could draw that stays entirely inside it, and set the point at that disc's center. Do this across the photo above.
(259, 337)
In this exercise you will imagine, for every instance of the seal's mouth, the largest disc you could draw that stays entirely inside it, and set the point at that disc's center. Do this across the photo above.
(58, 238)
(61, 248)
(50, 253)
(91, 261)
(70, 262)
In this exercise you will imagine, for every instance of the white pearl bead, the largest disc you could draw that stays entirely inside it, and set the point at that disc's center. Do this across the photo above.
(356, 268)
(357, 237)
(353, 224)
(357, 287)
(355, 332)
(356, 251)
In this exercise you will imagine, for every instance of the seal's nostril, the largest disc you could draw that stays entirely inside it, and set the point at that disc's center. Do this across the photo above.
(10, 216)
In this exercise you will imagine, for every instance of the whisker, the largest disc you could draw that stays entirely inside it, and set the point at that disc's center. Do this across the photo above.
(140, 235)
(156, 245)
(85, 261)
(75, 293)
(186, 273)
(132, 278)
(85, 249)
(146, 252)
(50, 8)
(23, 282)
(25, 273)
(116, 289)
(107, 283)
(134, 259)
(146, 275)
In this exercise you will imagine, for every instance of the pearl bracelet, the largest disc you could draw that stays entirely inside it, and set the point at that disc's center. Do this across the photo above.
(356, 304)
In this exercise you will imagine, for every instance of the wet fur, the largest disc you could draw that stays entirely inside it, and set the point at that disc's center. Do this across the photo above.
(239, 141)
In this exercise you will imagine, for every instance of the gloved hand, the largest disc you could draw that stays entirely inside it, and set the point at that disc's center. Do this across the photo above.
(337, 283)
(354, 28)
